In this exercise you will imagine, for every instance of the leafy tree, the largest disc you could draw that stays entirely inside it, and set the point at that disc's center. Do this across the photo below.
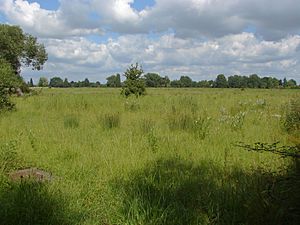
(56, 82)
(165, 81)
(86, 82)
(134, 84)
(185, 81)
(152, 80)
(175, 83)
(18, 48)
(221, 81)
(113, 81)
(291, 83)
(8, 79)
(203, 84)
(66, 83)
(43, 82)
(254, 81)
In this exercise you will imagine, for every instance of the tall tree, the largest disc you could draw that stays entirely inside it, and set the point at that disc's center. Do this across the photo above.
(221, 81)
(185, 81)
(113, 81)
(18, 48)
(56, 82)
(31, 83)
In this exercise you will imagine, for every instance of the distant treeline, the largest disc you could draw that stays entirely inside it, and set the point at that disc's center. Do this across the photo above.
(155, 80)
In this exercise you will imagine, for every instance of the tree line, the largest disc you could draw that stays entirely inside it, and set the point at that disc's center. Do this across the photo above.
(155, 80)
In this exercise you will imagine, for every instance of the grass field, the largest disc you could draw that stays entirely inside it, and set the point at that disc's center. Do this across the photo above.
(166, 158)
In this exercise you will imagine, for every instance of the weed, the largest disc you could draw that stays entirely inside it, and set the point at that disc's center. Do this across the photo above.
(291, 120)
(111, 120)
(132, 105)
(152, 141)
(71, 122)
(237, 121)
(147, 125)
(200, 127)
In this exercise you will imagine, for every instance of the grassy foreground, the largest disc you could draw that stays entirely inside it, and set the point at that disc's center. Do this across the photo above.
(165, 158)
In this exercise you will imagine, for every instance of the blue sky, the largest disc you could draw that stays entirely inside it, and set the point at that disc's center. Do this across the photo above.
(197, 38)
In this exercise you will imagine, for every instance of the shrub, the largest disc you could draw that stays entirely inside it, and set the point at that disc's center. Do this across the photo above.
(5, 103)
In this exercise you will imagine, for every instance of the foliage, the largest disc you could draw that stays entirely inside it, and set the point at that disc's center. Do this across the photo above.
(19, 49)
(221, 81)
(43, 82)
(5, 103)
(134, 84)
(113, 81)
(7, 77)
(56, 82)
(155, 80)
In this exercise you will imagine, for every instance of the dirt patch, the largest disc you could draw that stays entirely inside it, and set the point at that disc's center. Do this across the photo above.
(31, 173)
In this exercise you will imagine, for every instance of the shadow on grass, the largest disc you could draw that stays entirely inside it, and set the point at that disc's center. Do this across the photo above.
(31, 203)
(175, 192)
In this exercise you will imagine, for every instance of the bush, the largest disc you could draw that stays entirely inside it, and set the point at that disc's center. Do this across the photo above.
(5, 103)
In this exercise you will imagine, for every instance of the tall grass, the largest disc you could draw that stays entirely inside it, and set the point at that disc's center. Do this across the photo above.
(166, 158)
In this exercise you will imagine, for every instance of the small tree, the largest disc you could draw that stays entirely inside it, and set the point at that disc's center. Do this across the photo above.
(134, 84)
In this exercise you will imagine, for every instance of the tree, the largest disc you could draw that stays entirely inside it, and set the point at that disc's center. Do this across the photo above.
(291, 83)
(66, 83)
(86, 82)
(113, 81)
(134, 84)
(221, 81)
(185, 81)
(30, 84)
(8, 80)
(152, 80)
(284, 83)
(43, 82)
(20, 49)
(56, 82)
(254, 81)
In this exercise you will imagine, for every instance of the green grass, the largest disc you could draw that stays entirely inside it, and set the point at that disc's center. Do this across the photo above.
(165, 158)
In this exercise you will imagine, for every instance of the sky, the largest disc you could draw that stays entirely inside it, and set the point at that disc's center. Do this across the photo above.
(198, 38)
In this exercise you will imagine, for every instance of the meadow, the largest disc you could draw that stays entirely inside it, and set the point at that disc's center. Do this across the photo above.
(169, 157)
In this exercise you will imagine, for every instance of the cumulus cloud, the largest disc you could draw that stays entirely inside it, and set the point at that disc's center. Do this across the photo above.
(173, 56)
(272, 19)
(48, 23)
(191, 37)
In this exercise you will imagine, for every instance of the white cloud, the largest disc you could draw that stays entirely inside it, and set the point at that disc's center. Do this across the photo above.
(173, 56)
(47, 23)
(192, 37)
